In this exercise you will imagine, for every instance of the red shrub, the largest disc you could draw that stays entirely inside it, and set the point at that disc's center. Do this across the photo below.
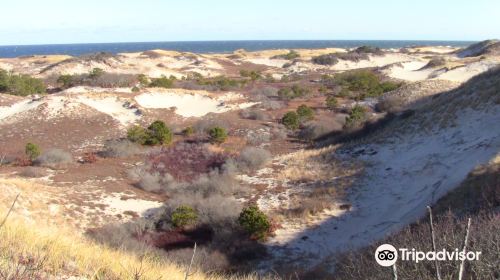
(185, 162)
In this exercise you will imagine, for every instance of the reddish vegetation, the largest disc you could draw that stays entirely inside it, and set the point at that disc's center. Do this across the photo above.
(185, 162)
(177, 239)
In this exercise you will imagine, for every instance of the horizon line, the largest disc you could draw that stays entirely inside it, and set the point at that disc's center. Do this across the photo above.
(246, 40)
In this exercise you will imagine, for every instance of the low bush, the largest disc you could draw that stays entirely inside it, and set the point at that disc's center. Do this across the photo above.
(291, 120)
(22, 85)
(221, 83)
(252, 158)
(32, 151)
(356, 117)
(184, 216)
(218, 135)
(188, 131)
(390, 104)
(253, 114)
(314, 130)
(305, 113)
(120, 148)
(291, 55)
(137, 134)
(326, 59)
(54, 157)
(162, 82)
(359, 84)
(294, 92)
(255, 222)
(185, 161)
(253, 75)
(331, 102)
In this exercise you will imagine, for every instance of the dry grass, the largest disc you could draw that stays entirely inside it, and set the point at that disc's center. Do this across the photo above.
(38, 252)
(316, 165)
(323, 180)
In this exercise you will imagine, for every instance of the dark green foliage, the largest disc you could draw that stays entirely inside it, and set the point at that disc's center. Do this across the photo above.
(66, 81)
(22, 85)
(253, 75)
(162, 82)
(291, 120)
(96, 73)
(359, 84)
(217, 135)
(158, 133)
(294, 92)
(305, 113)
(356, 117)
(222, 83)
(331, 102)
(368, 49)
(255, 222)
(32, 151)
(143, 80)
(291, 55)
(137, 134)
(326, 59)
(184, 216)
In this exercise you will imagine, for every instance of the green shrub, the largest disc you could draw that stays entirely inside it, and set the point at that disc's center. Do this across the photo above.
(359, 84)
(184, 216)
(188, 131)
(158, 133)
(66, 81)
(32, 151)
(217, 135)
(291, 55)
(305, 113)
(222, 83)
(22, 85)
(356, 117)
(96, 73)
(143, 80)
(326, 59)
(255, 222)
(162, 82)
(253, 75)
(291, 120)
(137, 134)
(294, 92)
(331, 102)
(135, 89)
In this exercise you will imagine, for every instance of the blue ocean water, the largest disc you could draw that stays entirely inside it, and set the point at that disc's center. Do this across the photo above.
(210, 46)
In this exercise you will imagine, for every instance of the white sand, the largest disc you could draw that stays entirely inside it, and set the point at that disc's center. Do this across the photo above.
(268, 62)
(19, 107)
(116, 205)
(111, 106)
(406, 174)
(193, 104)
(409, 71)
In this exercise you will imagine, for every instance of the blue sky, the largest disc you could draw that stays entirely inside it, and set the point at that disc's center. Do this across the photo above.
(92, 21)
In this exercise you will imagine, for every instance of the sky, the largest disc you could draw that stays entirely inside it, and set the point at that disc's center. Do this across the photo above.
(24, 22)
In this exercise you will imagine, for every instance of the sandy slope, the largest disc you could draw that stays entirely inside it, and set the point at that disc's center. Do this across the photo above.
(404, 174)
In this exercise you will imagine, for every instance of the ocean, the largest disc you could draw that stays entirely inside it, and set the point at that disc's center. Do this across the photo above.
(210, 46)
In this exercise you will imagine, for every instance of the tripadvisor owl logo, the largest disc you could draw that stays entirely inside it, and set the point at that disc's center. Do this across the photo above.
(386, 255)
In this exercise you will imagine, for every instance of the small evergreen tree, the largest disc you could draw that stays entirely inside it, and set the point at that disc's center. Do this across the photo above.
(32, 151)
(158, 133)
(291, 120)
(184, 216)
(218, 135)
(305, 113)
(255, 222)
